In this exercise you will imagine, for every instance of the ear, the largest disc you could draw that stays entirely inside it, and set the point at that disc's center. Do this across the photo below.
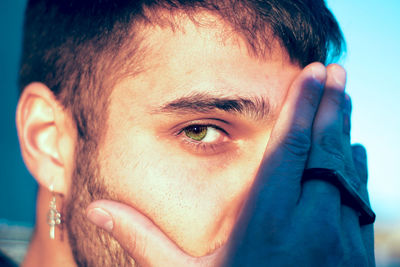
(47, 137)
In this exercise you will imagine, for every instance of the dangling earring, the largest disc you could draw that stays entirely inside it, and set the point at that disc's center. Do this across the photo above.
(53, 216)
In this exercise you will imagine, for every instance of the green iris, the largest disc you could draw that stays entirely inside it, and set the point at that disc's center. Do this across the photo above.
(196, 132)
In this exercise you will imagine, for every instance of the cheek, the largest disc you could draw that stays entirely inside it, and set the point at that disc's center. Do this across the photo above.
(195, 201)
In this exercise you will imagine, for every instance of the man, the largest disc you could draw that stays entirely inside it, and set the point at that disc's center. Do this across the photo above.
(176, 133)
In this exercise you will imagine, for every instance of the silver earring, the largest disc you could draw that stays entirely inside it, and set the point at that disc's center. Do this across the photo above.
(53, 216)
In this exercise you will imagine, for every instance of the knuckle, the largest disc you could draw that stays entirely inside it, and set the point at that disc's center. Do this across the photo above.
(311, 96)
(346, 124)
(332, 144)
(337, 98)
(297, 142)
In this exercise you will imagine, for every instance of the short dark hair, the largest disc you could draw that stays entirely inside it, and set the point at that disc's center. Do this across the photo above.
(71, 45)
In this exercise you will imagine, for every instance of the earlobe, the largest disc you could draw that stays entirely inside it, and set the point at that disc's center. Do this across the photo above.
(42, 130)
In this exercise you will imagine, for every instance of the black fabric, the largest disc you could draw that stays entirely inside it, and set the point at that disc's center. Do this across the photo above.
(5, 261)
(349, 195)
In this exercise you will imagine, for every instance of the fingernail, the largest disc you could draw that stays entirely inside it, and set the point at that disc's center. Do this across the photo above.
(318, 73)
(339, 76)
(346, 124)
(101, 218)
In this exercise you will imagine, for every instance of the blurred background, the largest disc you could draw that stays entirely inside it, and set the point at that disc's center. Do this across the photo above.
(372, 32)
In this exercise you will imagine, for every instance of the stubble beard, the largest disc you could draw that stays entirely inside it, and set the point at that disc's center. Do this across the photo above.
(91, 246)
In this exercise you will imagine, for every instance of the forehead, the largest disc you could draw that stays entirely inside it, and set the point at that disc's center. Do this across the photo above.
(205, 57)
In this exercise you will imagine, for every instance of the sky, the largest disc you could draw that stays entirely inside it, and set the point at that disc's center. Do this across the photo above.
(372, 32)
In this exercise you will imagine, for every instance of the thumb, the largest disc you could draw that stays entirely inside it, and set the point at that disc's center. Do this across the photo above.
(140, 237)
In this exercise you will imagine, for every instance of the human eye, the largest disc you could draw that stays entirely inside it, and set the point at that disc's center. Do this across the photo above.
(204, 138)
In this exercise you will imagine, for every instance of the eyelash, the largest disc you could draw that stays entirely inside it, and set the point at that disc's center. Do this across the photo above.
(200, 146)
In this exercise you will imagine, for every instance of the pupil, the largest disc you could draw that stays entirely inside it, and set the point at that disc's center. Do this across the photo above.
(197, 129)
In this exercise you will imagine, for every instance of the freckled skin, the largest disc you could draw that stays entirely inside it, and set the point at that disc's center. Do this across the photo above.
(194, 197)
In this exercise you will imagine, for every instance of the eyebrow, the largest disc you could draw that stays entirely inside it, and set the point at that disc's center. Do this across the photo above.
(255, 108)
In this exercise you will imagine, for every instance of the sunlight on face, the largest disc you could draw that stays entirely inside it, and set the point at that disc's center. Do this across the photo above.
(185, 138)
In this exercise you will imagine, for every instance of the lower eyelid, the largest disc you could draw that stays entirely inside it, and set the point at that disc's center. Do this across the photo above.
(201, 147)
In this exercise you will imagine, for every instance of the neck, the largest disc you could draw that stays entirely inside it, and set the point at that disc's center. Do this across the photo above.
(44, 251)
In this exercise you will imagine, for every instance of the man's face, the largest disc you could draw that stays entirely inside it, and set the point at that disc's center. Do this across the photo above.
(178, 147)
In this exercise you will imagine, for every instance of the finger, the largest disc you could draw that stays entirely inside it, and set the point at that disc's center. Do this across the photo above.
(319, 203)
(327, 148)
(354, 246)
(356, 172)
(359, 159)
(347, 109)
(286, 154)
(139, 236)
(351, 171)
(359, 155)
(367, 231)
(367, 234)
